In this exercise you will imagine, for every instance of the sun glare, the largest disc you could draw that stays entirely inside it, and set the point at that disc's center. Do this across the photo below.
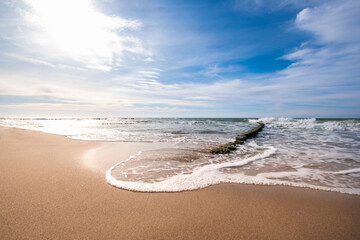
(77, 29)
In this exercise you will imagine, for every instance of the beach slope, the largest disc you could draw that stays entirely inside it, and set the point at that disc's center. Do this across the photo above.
(53, 187)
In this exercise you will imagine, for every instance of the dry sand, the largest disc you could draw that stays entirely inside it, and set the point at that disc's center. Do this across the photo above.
(52, 187)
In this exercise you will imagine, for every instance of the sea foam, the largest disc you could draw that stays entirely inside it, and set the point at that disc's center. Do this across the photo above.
(200, 177)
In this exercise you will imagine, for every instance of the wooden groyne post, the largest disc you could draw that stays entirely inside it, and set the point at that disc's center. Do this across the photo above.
(240, 139)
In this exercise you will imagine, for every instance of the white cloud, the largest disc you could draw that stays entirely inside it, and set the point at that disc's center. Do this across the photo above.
(336, 21)
(71, 92)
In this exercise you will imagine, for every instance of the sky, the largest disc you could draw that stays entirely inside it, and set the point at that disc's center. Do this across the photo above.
(180, 58)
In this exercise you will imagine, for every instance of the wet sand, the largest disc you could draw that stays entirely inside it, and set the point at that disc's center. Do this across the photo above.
(53, 187)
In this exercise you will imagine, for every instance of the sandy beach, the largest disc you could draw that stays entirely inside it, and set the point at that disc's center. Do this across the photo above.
(53, 187)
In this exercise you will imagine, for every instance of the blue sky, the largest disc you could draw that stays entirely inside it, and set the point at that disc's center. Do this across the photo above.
(236, 58)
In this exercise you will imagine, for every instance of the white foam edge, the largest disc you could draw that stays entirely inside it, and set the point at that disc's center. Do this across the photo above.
(201, 177)
(348, 171)
(208, 175)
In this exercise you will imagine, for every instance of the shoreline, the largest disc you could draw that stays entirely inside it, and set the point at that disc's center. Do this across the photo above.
(52, 188)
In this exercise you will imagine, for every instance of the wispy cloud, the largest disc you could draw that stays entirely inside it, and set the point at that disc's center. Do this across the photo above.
(331, 68)
(41, 62)
(274, 5)
(335, 21)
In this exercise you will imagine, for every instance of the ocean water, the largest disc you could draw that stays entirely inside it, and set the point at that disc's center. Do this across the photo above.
(314, 153)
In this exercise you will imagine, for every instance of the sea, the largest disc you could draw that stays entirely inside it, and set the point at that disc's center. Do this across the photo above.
(313, 153)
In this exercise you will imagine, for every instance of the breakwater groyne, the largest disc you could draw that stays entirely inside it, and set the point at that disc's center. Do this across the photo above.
(240, 139)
